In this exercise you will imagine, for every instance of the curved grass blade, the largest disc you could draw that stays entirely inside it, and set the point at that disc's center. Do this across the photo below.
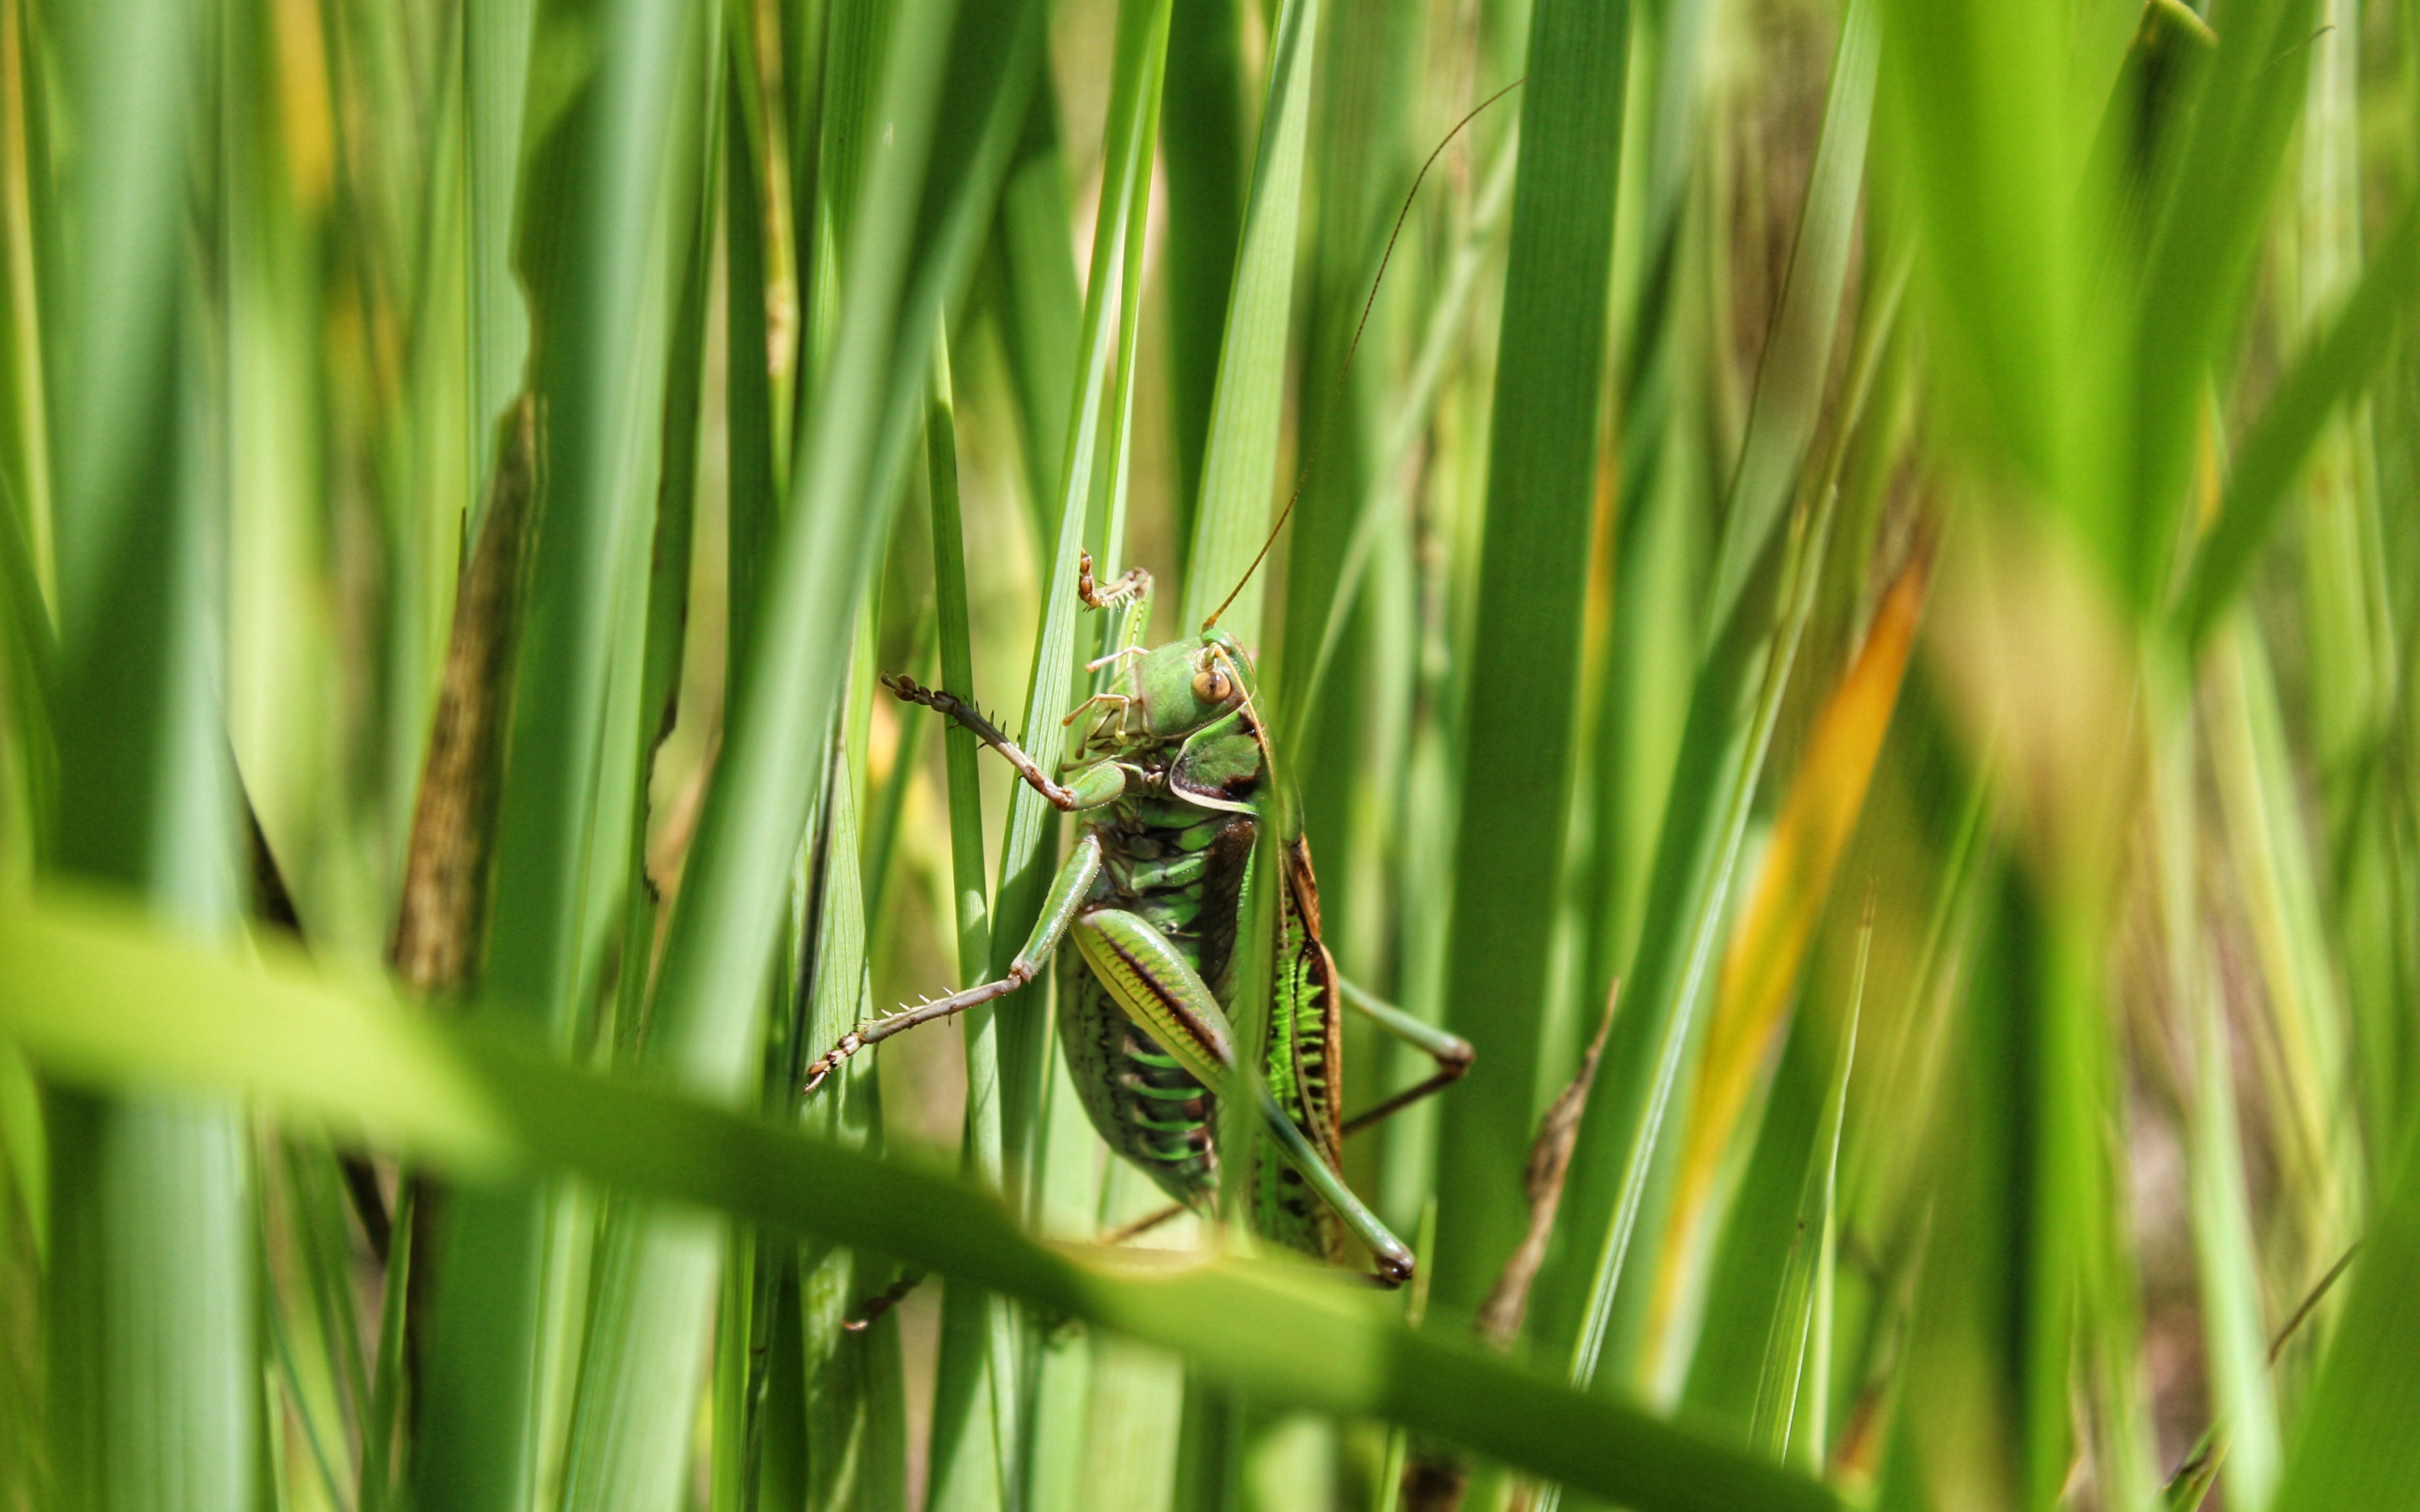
(99, 998)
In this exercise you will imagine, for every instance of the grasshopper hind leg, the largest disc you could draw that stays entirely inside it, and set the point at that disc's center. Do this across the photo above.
(1451, 1053)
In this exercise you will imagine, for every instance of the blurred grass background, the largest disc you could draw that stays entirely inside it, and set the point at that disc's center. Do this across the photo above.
(1884, 528)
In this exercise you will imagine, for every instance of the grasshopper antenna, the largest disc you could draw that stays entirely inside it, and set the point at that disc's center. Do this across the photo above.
(1355, 350)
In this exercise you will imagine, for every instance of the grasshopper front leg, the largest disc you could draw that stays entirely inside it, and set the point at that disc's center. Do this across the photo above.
(1093, 787)
(1161, 990)
(1068, 890)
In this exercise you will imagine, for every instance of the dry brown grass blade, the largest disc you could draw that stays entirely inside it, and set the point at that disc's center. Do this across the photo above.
(1760, 968)
(440, 917)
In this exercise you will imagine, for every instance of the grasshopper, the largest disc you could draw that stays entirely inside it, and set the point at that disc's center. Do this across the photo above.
(1171, 775)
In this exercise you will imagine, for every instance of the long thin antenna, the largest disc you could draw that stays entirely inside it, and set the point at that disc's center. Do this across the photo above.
(1355, 350)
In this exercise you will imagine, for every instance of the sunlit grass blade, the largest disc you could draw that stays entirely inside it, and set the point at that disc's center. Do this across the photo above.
(89, 996)
(1516, 748)
(1240, 450)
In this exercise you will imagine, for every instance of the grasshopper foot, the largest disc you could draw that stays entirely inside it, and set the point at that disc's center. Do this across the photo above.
(830, 1062)
(1133, 584)
(874, 1307)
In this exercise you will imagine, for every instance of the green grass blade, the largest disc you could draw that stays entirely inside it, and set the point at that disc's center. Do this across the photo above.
(603, 311)
(1239, 457)
(847, 1430)
(1790, 1397)
(1040, 305)
(154, 1374)
(98, 997)
(2353, 1446)
(2336, 365)
(495, 68)
(2200, 261)
(1798, 349)
(1518, 724)
(975, 1391)
(2275, 861)
(1203, 144)
(2224, 1244)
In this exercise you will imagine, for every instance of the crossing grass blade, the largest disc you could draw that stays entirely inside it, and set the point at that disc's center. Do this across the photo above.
(87, 1000)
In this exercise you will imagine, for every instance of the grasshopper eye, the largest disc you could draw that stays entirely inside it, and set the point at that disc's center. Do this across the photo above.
(1211, 683)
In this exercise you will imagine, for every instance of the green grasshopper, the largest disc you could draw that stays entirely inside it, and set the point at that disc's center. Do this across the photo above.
(1171, 773)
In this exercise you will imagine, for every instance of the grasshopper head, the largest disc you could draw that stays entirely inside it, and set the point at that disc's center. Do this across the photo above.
(1185, 685)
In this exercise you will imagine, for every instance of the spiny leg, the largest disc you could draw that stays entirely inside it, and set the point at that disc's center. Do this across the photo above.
(1068, 890)
(1093, 786)
(1149, 977)
(1451, 1053)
